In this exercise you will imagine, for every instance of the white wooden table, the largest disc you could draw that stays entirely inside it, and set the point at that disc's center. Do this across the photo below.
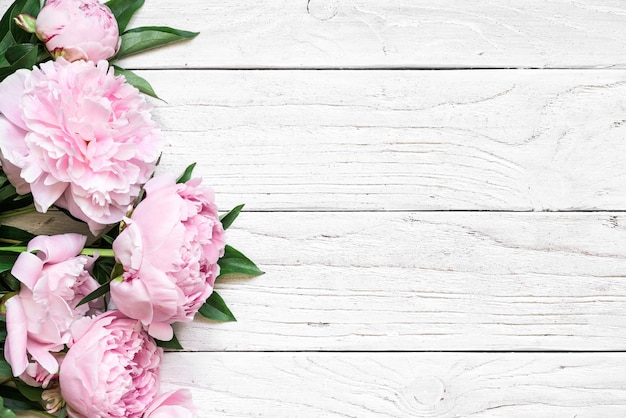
(434, 188)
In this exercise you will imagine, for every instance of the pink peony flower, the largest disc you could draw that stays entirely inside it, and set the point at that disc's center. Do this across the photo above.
(111, 369)
(169, 251)
(76, 136)
(39, 317)
(172, 404)
(78, 30)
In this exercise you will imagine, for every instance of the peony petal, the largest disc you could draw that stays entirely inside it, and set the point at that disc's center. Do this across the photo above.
(13, 152)
(12, 144)
(67, 201)
(45, 195)
(172, 404)
(13, 174)
(160, 182)
(132, 299)
(27, 269)
(170, 411)
(57, 248)
(71, 54)
(80, 327)
(169, 235)
(11, 91)
(128, 247)
(41, 354)
(15, 344)
(161, 331)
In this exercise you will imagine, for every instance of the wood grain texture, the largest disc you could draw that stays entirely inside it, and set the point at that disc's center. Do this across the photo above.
(424, 281)
(338, 169)
(401, 385)
(50, 223)
(400, 33)
(400, 140)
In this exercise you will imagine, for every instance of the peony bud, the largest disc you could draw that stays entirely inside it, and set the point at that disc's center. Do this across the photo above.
(53, 401)
(78, 29)
(26, 22)
(169, 270)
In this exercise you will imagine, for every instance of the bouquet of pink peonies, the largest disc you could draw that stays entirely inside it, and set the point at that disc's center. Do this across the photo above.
(84, 328)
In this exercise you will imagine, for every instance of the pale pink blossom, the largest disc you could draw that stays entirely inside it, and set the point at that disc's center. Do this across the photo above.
(78, 30)
(111, 369)
(53, 280)
(78, 137)
(169, 251)
(172, 404)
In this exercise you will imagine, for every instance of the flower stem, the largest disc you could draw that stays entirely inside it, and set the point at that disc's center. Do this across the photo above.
(102, 252)
(9, 241)
(17, 212)
(14, 249)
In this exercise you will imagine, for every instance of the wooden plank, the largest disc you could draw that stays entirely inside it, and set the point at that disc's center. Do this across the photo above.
(424, 281)
(383, 34)
(400, 140)
(50, 223)
(401, 385)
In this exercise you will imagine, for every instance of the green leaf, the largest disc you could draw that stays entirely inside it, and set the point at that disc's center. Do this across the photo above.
(234, 262)
(28, 60)
(7, 192)
(31, 393)
(145, 38)
(5, 412)
(9, 199)
(9, 282)
(215, 309)
(30, 413)
(134, 80)
(5, 369)
(103, 269)
(15, 400)
(229, 218)
(15, 234)
(172, 344)
(30, 7)
(109, 240)
(102, 290)
(184, 178)
(7, 260)
(123, 10)
(16, 52)
(10, 33)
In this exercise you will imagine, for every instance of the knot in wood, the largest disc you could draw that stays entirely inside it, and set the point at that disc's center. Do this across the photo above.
(425, 393)
(322, 9)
